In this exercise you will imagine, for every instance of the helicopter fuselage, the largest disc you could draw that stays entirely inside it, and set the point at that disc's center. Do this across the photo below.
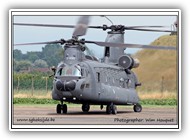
(93, 82)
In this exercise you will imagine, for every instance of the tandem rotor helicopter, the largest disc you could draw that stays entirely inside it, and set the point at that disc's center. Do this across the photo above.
(82, 79)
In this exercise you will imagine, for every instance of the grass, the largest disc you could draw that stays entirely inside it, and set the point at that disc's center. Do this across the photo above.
(170, 102)
(34, 101)
(39, 94)
(158, 64)
(42, 97)
(157, 95)
(42, 94)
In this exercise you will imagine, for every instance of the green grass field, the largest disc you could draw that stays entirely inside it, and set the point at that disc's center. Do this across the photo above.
(168, 102)
(44, 98)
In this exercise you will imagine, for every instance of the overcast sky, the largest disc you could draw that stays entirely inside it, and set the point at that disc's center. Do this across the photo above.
(25, 34)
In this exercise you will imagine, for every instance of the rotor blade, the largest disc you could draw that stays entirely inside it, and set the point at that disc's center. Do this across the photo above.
(109, 44)
(82, 26)
(44, 25)
(83, 32)
(127, 27)
(133, 27)
(53, 25)
(152, 30)
(138, 28)
(38, 43)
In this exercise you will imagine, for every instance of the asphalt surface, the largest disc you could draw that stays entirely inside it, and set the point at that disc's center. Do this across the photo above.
(125, 115)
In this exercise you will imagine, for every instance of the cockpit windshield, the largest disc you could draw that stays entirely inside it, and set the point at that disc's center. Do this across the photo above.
(69, 71)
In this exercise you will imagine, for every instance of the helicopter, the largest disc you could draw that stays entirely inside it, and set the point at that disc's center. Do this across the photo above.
(83, 79)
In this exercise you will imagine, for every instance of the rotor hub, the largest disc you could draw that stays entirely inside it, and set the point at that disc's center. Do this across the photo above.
(118, 28)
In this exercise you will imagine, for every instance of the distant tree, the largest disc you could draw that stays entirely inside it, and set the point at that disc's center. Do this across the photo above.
(40, 63)
(24, 57)
(32, 56)
(52, 54)
(22, 65)
(14, 64)
(17, 55)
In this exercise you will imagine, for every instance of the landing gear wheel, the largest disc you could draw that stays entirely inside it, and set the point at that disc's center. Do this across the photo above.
(64, 108)
(137, 108)
(114, 109)
(61, 108)
(111, 109)
(58, 109)
(85, 107)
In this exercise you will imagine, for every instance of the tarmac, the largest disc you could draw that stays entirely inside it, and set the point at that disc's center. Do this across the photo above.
(125, 116)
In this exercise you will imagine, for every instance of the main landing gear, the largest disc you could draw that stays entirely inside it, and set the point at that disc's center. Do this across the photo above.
(111, 109)
(85, 107)
(137, 108)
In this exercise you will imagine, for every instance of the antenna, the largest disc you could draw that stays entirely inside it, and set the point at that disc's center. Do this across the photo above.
(107, 19)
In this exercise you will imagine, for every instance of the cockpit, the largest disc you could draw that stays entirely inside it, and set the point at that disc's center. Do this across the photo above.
(69, 71)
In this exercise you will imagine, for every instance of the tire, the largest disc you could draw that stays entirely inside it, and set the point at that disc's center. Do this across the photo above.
(64, 107)
(137, 108)
(114, 109)
(109, 109)
(85, 107)
(58, 109)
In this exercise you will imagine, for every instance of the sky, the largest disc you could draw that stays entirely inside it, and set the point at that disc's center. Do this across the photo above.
(28, 34)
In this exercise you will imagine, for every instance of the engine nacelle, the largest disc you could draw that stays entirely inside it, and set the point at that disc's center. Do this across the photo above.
(128, 62)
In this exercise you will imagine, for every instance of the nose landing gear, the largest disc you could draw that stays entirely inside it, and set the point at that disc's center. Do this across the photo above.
(61, 108)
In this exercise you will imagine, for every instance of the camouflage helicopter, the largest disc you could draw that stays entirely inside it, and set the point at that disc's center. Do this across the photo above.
(83, 79)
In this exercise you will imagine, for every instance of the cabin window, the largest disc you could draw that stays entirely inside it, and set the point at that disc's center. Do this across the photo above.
(87, 85)
(82, 72)
(129, 83)
(122, 83)
(98, 76)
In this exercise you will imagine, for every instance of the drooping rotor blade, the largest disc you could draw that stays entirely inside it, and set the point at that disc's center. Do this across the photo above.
(44, 25)
(38, 43)
(110, 44)
(82, 26)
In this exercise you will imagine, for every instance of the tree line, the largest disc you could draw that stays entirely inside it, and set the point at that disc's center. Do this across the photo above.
(50, 55)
